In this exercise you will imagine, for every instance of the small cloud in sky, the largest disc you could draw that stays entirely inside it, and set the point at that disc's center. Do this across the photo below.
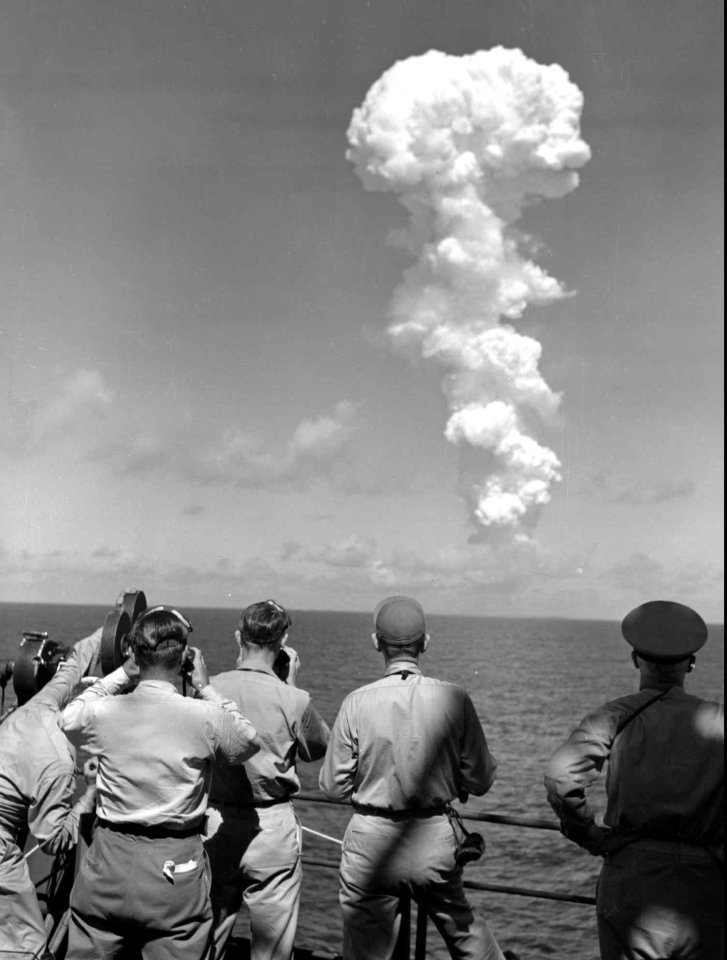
(63, 409)
(649, 579)
(136, 456)
(616, 489)
(289, 550)
(193, 510)
(244, 460)
(352, 552)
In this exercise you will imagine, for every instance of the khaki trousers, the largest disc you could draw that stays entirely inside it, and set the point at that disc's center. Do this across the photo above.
(255, 859)
(122, 896)
(22, 932)
(384, 858)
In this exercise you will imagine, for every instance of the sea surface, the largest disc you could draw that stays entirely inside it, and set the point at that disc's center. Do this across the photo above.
(531, 682)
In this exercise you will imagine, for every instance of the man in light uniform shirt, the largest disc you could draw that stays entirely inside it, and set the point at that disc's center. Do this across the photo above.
(661, 889)
(255, 853)
(144, 881)
(402, 748)
(37, 786)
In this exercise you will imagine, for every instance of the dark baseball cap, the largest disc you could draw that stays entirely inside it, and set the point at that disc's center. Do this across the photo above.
(399, 620)
(664, 630)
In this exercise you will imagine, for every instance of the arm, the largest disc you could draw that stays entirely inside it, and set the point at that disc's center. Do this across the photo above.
(477, 766)
(73, 717)
(338, 773)
(53, 818)
(313, 735)
(58, 691)
(236, 739)
(574, 767)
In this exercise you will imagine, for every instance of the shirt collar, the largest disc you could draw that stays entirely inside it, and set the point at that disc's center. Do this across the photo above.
(156, 685)
(403, 666)
(261, 668)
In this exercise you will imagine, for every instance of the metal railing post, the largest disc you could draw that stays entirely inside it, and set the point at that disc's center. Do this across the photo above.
(401, 950)
(420, 939)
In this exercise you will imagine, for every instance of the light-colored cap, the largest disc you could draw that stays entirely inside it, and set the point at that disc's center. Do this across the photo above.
(399, 620)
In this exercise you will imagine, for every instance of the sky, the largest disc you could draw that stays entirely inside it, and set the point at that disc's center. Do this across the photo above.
(204, 390)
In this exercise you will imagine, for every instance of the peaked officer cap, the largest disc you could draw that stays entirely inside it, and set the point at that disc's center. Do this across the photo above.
(664, 630)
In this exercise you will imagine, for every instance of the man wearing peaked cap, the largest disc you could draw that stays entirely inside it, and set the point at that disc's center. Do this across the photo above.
(664, 631)
(661, 889)
(401, 749)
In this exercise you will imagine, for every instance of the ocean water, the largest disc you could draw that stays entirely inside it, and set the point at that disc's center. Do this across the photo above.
(530, 680)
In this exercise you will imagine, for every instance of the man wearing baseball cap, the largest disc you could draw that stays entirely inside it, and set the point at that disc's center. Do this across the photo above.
(401, 749)
(661, 889)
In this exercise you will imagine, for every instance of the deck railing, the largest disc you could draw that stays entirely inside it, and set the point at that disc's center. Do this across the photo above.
(403, 946)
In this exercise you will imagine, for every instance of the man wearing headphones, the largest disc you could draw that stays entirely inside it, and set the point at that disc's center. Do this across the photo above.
(661, 889)
(145, 878)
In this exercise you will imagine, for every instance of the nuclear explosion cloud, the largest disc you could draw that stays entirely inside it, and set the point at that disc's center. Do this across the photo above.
(465, 143)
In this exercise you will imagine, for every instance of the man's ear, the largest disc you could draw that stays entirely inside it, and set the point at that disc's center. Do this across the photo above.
(238, 638)
(283, 639)
(425, 642)
(377, 645)
(635, 659)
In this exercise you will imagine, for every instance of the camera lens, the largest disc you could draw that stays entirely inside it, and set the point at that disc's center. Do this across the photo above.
(473, 846)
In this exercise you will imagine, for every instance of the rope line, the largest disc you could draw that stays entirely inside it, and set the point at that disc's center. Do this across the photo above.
(324, 836)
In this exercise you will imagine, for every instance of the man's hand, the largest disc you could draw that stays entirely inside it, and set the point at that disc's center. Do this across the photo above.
(293, 665)
(198, 675)
(131, 668)
(90, 769)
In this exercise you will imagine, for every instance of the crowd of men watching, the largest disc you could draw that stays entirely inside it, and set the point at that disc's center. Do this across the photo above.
(191, 796)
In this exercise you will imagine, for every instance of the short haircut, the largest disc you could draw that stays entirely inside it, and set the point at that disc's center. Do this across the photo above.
(264, 623)
(158, 639)
(411, 649)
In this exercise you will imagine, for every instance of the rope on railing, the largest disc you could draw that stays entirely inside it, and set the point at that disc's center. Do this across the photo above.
(323, 836)
(487, 887)
(530, 822)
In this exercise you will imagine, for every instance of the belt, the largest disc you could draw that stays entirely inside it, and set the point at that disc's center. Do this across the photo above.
(158, 831)
(413, 814)
(237, 805)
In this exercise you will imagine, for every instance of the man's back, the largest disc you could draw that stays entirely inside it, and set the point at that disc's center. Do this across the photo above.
(407, 741)
(288, 728)
(666, 767)
(155, 750)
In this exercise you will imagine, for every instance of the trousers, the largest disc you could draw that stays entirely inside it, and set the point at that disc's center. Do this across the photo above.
(148, 894)
(382, 859)
(22, 931)
(255, 858)
(658, 900)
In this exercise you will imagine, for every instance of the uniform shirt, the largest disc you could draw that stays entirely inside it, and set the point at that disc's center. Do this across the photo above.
(37, 763)
(155, 748)
(289, 728)
(666, 769)
(407, 742)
